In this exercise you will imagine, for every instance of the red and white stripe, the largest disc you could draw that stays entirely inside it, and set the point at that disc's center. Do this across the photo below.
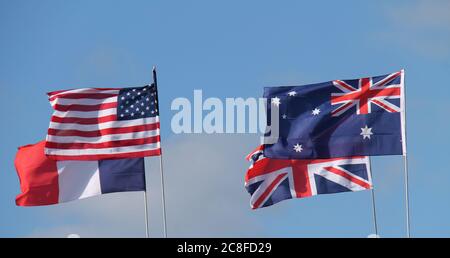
(84, 126)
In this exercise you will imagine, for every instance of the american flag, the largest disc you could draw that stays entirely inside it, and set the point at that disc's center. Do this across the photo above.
(104, 123)
(270, 181)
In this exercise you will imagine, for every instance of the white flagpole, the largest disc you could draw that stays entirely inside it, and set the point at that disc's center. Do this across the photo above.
(405, 157)
(408, 226)
(163, 199)
(146, 212)
(372, 191)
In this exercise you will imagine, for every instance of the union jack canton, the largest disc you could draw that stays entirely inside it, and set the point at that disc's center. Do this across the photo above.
(270, 181)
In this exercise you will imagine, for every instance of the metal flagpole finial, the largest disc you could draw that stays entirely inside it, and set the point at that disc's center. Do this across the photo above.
(154, 75)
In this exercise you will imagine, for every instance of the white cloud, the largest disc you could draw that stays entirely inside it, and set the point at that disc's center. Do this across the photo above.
(205, 185)
(421, 26)
(205, 196)
(422, 14)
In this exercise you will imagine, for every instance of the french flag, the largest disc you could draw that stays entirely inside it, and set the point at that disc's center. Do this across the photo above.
(44, 181)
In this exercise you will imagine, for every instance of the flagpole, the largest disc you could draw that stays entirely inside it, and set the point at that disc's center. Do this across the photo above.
(408, 226)
(372, 191)
(405, 159)
(146, 213)
(163, 199)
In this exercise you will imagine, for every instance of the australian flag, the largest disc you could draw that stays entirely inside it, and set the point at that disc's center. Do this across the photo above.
(340, 118)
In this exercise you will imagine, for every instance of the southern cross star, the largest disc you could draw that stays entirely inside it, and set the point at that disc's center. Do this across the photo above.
(316, 112)
(292, 93)
(366, 132)
(298, 148)
(276, 101)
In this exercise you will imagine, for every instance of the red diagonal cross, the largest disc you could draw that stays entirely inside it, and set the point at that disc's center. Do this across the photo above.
(364, 94)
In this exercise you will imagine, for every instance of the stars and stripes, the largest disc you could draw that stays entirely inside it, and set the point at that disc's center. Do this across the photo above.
(104, 123)
(272, 180)
(366, 94)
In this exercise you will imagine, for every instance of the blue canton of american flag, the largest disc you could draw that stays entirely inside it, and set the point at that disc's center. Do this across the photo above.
(340, 118)
(104, 123)
(273, 180)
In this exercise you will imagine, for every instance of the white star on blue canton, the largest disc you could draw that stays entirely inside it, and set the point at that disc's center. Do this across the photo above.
(298, 148)
(316, 112)
(292, 93)
(276, 101)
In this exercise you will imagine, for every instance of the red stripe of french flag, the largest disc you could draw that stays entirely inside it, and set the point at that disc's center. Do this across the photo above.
(38, 176)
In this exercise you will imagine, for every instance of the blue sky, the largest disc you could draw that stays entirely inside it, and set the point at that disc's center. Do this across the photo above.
(227, 49)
